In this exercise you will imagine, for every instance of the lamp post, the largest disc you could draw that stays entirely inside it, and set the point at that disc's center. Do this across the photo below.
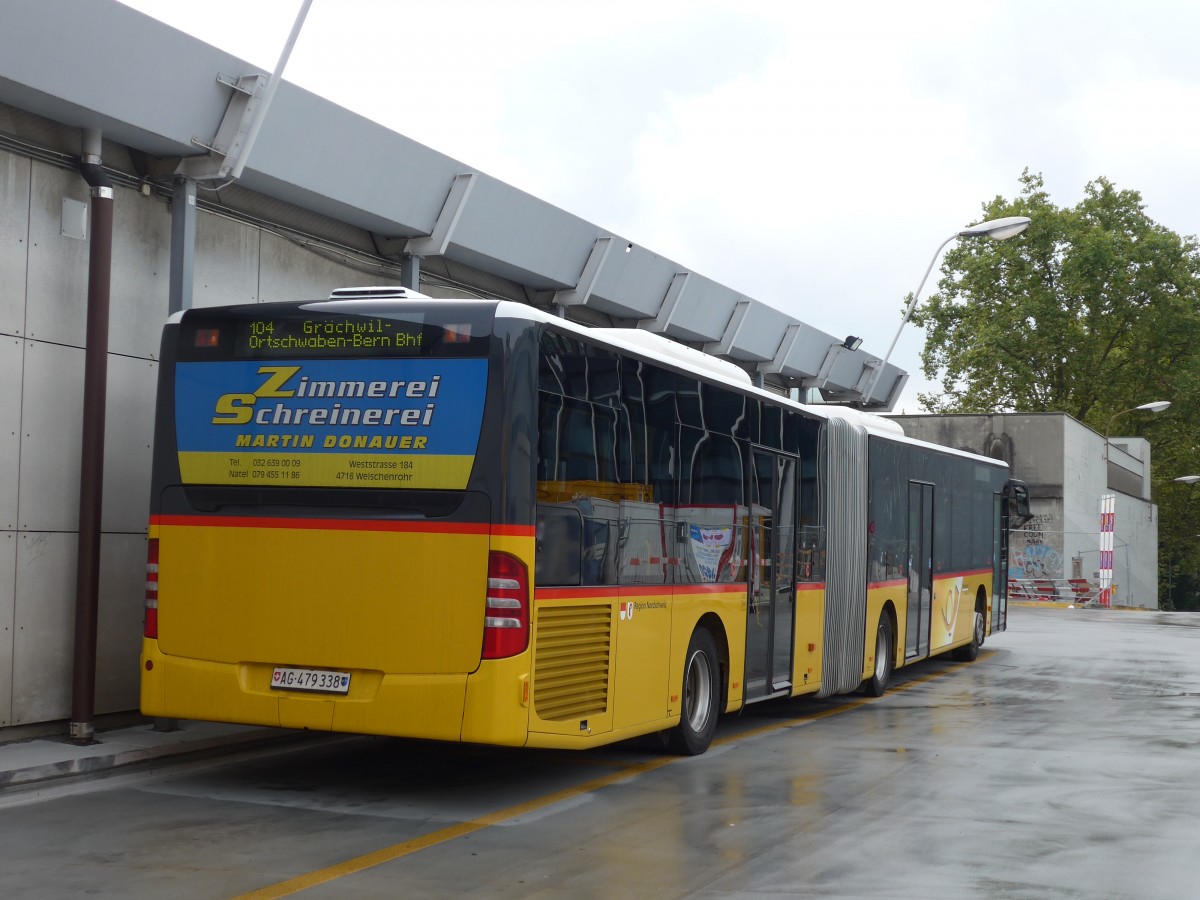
(996, 229)
(1155, 406)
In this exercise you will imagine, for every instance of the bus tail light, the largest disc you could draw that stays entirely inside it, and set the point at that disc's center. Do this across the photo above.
(506, 626)
(150, 624)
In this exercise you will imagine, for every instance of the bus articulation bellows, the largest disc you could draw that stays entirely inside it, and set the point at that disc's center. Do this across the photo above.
(468, 520)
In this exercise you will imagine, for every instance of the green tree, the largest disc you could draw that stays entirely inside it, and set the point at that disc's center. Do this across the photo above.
(1093, 310)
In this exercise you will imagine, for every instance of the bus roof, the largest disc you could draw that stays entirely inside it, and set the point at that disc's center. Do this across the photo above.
(664, 350)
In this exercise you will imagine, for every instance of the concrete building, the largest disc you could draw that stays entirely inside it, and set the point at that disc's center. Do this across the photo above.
(1068, 468)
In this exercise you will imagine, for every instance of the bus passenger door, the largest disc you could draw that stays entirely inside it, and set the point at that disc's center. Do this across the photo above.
(1011, 511)
(920, 569)
(1000, 561)
(771, 609)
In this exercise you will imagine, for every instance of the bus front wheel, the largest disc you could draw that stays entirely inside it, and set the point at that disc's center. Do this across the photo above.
(884, 658)
(978, 633)
(701, 696)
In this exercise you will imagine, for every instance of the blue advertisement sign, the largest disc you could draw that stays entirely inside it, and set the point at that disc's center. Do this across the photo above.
(377, 422)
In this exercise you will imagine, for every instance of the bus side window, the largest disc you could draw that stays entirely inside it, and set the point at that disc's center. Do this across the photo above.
(634, 449)
(803, 436)
(661, 432)
(559, 548)
(711, 471)
(771, 427)
(575, 440)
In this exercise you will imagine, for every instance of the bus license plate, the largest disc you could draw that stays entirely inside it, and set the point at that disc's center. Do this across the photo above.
(319, 681)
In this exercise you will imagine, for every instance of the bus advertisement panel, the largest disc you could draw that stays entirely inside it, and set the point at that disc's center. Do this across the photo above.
(330, 422)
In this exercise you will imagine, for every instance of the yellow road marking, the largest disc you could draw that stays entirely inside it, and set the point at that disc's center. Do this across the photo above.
(405, 848)
(369, 860)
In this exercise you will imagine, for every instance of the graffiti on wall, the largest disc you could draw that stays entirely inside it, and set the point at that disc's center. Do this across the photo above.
(1033, 553)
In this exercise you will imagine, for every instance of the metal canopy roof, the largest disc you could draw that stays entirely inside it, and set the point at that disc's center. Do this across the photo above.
(154, 89)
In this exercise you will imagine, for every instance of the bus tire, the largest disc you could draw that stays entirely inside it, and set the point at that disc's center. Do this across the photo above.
(978, 632)
(885, 658)
(701, 699)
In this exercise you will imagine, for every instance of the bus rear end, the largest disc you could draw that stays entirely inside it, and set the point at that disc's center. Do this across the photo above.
(325, 550)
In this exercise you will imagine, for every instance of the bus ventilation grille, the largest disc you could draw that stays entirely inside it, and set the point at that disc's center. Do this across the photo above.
(570, 674)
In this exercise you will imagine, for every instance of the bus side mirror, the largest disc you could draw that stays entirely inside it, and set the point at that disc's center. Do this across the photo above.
(1019, 496)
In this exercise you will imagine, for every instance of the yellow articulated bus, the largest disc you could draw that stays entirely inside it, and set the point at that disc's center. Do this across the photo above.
(468, 520)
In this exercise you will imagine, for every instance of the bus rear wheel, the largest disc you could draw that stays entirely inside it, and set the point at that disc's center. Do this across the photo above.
(885, 660)
(701, 697)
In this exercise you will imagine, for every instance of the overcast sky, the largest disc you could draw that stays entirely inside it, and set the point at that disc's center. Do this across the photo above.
(811, 155)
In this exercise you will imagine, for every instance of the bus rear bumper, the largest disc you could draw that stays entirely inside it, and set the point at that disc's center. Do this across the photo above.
(417, 706)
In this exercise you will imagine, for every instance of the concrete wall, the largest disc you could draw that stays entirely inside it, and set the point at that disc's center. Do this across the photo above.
(43, 291)
(1039, 550)
(1135, 558)
(1087, 476)
(1129, 466)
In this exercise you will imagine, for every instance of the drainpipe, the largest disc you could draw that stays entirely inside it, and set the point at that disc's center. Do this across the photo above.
(91, 470)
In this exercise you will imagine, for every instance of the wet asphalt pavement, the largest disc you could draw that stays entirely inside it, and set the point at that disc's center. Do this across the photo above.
(1065, 762)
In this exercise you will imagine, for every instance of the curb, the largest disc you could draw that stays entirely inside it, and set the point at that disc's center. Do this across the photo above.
(46, 759)
(1057, 604)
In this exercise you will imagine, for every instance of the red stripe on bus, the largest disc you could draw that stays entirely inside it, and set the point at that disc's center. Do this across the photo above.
(342, 525)
(810, 585)
(970, 573)
(965, 573)
(623, 591)
(937, 576)
(728, 588)
(574, 592)
(513, 530)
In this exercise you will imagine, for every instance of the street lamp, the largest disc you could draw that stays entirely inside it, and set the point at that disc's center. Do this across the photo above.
(1188, 479)
(996, 229)
(1155, 406)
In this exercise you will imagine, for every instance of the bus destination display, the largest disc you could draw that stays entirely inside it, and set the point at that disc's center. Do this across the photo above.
(330, 336)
